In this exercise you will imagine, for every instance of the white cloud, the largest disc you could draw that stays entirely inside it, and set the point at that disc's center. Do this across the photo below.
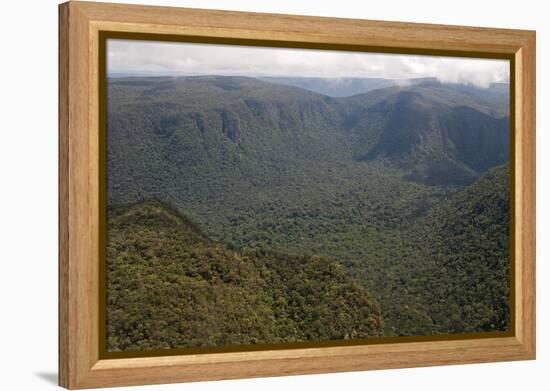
(172, 58)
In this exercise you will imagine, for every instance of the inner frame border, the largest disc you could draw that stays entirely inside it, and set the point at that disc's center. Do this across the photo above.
(102, 218)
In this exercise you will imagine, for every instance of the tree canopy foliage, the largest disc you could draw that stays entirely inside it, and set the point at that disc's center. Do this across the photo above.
(169, 286)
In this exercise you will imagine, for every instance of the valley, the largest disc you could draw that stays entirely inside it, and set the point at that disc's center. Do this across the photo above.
(404, 187)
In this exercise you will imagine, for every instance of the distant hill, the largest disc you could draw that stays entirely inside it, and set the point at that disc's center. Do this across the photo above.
(442, 143)
(334, 87)
(169, 286)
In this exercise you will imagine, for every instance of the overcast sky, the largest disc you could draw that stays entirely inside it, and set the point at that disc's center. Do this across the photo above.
(174, 58)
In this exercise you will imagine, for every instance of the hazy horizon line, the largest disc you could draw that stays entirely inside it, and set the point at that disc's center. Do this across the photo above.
(129, 74)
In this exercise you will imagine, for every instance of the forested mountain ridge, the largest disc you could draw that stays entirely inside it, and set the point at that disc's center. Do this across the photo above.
(439, 144)
(468, 237)
(260, 128)
(452, 263)
(169, 286)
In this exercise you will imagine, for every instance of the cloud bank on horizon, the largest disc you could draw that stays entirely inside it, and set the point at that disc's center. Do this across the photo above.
(175, 58)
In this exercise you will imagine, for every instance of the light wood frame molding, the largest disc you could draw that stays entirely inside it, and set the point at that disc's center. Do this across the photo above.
(80, 23)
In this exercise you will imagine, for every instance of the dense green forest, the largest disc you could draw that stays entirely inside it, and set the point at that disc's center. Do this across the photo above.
(448, 270)
(396, 185)
(169, 286)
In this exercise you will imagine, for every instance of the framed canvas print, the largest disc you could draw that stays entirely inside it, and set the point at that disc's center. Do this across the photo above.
(247, 195)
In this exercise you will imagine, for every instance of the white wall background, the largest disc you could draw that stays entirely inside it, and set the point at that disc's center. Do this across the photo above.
(28, 194)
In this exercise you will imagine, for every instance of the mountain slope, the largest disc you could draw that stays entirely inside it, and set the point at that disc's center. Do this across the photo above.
(448, 270)
(438, 133)
(467, 237)
(169, 286)
(213, 129)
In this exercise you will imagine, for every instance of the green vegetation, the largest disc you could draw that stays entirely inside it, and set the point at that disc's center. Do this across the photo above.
(396, 185)
(448, 271)
(169, 286)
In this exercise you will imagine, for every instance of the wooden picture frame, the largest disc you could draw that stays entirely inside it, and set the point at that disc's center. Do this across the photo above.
(80, 159)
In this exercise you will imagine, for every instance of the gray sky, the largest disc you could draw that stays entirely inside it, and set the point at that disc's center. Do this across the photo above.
(174, 58)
